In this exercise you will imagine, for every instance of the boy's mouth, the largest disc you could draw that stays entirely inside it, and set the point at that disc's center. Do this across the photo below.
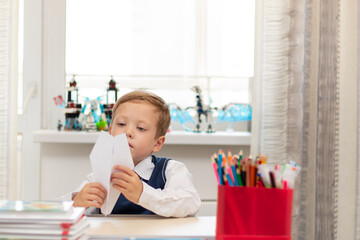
(130, 146)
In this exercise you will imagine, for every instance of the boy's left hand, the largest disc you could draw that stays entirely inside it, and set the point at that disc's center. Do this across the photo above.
(127, 182)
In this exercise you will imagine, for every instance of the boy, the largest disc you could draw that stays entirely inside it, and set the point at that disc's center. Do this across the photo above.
(156, 185)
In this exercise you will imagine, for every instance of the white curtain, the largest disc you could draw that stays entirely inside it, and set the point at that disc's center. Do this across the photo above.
(299, 104)
(8, 83)
(274, 79)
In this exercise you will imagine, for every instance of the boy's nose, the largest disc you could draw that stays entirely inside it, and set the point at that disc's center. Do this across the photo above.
(129, 133)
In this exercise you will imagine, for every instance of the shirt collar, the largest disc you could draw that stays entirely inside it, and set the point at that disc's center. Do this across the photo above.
(144, 168)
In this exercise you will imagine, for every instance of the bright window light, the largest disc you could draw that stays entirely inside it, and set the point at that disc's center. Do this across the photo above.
(166, 46)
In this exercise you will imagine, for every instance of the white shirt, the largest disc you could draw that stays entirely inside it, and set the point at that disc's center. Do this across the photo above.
(179, 197)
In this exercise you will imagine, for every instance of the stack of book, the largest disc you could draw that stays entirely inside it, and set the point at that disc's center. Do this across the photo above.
(42, 220)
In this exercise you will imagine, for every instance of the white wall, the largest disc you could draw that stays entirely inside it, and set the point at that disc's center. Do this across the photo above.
(65, 166)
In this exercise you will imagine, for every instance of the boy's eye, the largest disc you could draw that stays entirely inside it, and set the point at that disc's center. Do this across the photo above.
(121, 124)
(141, 129)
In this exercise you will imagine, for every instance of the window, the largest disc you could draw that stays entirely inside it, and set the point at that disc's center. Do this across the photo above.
(166, 46)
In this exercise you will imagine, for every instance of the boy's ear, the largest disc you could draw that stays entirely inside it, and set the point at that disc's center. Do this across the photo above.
(159, 143)
(110, 129)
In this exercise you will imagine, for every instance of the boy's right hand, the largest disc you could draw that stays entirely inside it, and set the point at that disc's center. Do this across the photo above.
(91, 195)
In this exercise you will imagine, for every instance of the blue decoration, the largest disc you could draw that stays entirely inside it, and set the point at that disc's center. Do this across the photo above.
(234, 112)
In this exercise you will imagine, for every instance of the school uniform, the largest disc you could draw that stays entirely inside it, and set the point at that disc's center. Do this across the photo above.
(168, 190)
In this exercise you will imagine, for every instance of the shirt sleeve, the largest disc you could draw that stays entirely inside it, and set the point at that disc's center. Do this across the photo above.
(179, 197)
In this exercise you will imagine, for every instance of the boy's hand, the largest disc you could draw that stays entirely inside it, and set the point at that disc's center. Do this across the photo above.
(91, 195)
(127, 182)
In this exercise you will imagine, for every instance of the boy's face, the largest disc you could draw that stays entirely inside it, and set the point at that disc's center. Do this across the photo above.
(139, 121)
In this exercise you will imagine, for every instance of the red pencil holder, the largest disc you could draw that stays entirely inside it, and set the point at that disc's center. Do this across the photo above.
(249, 213)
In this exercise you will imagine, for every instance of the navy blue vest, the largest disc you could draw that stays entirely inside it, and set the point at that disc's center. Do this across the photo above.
(157, 180)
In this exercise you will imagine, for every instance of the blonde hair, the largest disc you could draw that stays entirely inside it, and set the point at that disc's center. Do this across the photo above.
(144, 96)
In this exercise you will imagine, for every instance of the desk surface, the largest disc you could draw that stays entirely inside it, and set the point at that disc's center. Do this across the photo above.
(154, 227)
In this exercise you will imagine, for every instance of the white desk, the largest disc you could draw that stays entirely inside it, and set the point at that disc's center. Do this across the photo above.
(151, 227)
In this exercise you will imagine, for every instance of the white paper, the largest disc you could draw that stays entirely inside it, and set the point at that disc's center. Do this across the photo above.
(107, 152)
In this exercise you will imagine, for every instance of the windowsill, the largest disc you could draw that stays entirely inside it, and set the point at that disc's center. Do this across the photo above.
(174, 137)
